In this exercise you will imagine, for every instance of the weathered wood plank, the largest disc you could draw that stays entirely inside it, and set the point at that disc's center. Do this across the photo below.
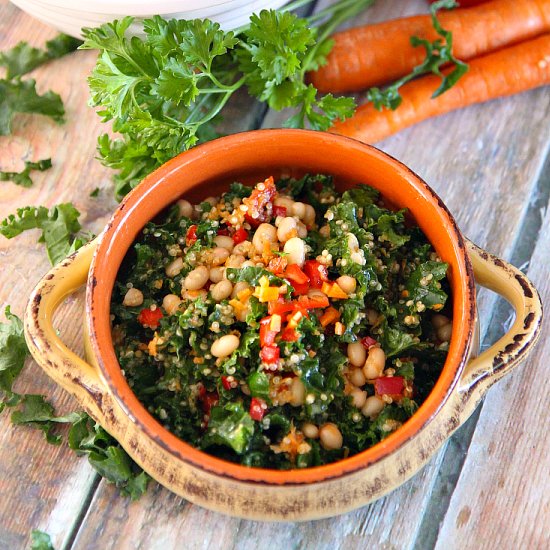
(501, 499)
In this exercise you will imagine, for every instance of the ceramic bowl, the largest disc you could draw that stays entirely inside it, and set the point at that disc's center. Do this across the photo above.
(258, 493)
(70, 17)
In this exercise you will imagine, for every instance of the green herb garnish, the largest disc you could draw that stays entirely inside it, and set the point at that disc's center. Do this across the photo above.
(23, 178)
(438, 54)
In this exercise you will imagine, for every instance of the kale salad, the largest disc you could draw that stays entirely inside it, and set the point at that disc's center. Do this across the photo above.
(282, 326)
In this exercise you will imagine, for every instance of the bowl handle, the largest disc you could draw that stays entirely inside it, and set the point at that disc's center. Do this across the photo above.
(60, 363)
(495, 362)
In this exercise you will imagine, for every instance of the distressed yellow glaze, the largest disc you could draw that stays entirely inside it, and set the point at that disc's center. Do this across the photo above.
(262, 501)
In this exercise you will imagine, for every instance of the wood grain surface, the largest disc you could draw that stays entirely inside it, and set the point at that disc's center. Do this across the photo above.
(486, 163)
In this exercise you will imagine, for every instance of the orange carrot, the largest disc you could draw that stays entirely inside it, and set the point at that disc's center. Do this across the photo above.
(505, 72)
(376, 54)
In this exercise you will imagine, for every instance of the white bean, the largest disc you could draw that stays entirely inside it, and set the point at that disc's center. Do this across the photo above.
(373, 406)
(358, 398)
(266, 233)
(357, 377)
(197, 278)
(235, 260)
(357, 354)
(295, 249)
(174, 267)
(171, 303)
(284, 201)
(211, 200)
(310, 430)
(347, 284)
(330, 436)
(439, 321)
(222, 290)
(133, 298)
(297, 392)
(224, 242)
(185, 208)
(224, 346)
(249, 263)
(217, 274)
(243, 248)
(219, 255)
(374, 365)
(299, 210)
(302, 230)
(444, 332)
(287, 229)
(309, 216)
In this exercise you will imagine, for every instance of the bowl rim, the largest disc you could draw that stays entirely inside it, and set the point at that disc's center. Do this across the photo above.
(98, 295)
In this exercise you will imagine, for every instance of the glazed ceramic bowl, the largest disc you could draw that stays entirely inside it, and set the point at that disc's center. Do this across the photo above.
(70, 17)
(257, 493)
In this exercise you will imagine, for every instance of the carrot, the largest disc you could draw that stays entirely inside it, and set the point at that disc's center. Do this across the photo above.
(372, 55)
(505, 72)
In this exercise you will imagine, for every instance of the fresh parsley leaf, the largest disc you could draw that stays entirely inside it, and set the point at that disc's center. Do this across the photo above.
(107, 457)
(13, 352)
(166, 92)
(41, 540)
(23, 58)
(20, 96)
(59, 227)
(95, 192)
(23, 178)
(38, 413)
(438, 54)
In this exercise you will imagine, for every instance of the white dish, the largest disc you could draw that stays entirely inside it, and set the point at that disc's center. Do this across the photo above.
(70, 17)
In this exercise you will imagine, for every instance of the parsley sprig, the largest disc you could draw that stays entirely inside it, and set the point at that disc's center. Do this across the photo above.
(438, 54)
(23, 178)
(165, 92)
(85, 437)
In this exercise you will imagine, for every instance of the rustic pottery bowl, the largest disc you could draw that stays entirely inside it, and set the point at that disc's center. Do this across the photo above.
(257, 493)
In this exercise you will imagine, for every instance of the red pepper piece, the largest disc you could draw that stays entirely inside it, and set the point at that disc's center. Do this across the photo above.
(289, 335)
(225, 383)
(267, 336)
(150, 317)
(279, 211)
(389, 385)
(223, 231)
(317, 273)
(280, 306)
(277, 265)
(259, 202)
(296, 275)
(240, 235)
(368, 342)
(211, 399)
(258, 408)
(300, 289)
(270, 354)
(191, 236)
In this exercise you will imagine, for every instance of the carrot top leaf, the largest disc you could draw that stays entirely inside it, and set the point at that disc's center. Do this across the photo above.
(438, 54)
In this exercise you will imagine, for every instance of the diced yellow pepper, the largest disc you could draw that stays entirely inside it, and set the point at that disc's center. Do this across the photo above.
(295, 319)
(339, 329)
(244, 294)
(266, 294)
(275, 323)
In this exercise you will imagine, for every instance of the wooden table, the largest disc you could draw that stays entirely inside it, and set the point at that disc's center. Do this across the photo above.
(487, 488)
